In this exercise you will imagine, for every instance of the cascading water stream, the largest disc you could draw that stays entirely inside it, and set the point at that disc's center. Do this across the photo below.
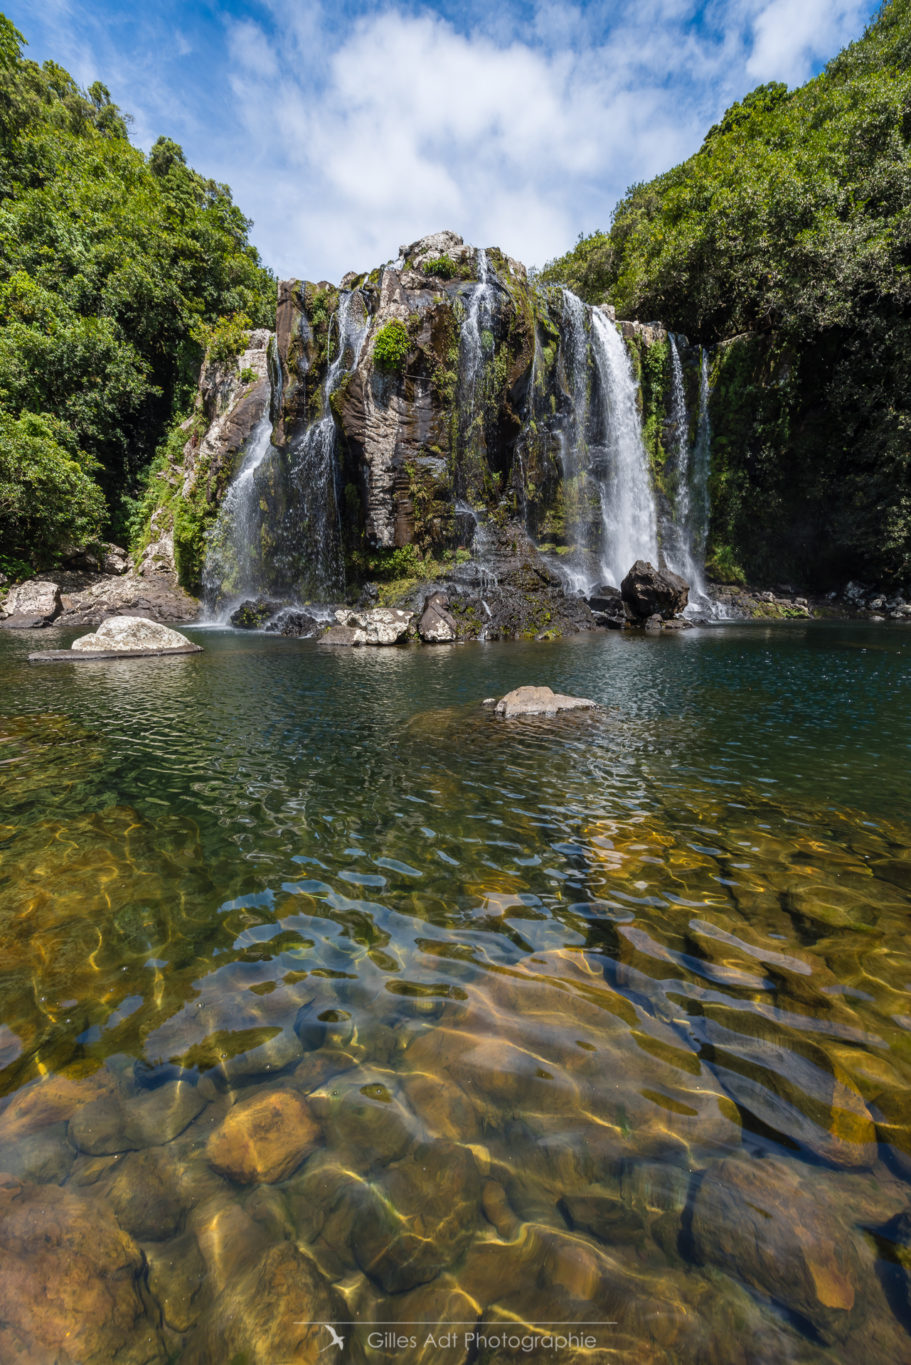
(677, 538)
(313, 467)
(475, 347)
(232, 568)
(686, 535)
(277, 533)
(627, 500)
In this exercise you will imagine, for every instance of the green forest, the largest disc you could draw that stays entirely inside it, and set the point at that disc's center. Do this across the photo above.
(783, 244)
(115, 267)
(788, 237)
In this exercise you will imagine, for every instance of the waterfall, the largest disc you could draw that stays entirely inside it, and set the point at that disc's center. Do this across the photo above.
(608, 499)
(316, 526)
(475, 348)
(685, 536)
(277, 533)
(627, 500)
(233, 566)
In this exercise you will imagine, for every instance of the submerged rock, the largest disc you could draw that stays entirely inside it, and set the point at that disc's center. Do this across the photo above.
(263, 1138)
(754, 1219)
(649, 591)
(117, 1122)
(132, 634)
(274, 1310)
(69, 1281)
(539, 701)
(31, 605)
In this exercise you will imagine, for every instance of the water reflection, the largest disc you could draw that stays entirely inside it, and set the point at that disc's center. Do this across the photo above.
(325, 987)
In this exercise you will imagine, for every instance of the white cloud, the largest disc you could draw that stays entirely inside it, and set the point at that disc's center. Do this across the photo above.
(792, 35)
(347, 128)
(416, 126)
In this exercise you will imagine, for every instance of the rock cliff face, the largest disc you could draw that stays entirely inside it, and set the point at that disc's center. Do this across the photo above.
(405, 419)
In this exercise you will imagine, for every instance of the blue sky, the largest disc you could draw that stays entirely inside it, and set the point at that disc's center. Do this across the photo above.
(346, 129)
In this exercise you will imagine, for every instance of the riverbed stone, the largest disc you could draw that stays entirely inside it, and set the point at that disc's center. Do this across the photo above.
(177, 1280)
(539, 701)
(31, 605)
(756, 1219)
(132, 633)
(649, 591)
(271, 1313)
(121, 1122)
(264, 1138)
(141, 1191)
(69, 1281)
(420, 1218)
(45, 1158)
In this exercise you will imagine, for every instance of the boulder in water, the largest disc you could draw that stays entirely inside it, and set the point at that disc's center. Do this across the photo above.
(608, 607)
(254, 613)
(437, 624)
(539, 701)
(299, 624)
(378, 626)
(31, 605)
(654, 592)
(133, 635)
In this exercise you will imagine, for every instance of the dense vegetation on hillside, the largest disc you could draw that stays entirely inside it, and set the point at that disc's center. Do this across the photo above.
(114, 268)
(792, 224)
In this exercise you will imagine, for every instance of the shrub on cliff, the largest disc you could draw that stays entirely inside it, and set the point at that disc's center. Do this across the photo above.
(113, 267)
(391, 346)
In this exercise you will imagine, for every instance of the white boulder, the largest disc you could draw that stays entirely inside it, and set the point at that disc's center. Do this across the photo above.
(132, 633)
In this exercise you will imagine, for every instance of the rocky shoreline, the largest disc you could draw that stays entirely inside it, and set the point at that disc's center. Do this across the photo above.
(513, 593)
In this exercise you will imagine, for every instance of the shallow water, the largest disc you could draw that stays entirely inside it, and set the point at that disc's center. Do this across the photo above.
(326, 989)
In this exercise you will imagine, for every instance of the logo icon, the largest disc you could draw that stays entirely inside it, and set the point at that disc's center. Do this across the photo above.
(336, 1339)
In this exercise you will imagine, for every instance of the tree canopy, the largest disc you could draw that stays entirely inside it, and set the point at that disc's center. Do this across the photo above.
(114, 267)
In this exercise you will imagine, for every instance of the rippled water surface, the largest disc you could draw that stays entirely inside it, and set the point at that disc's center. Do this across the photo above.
(328, 997)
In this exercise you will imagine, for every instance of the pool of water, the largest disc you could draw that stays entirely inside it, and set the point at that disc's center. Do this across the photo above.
(328, 997)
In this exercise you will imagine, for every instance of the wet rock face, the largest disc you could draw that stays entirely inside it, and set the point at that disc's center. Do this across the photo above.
(654, 592)
(609, 609)
(514, 594)
(254, 613)
(69, 1282)
(299, 624)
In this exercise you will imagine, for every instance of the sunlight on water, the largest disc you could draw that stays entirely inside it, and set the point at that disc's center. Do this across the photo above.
(325, 988)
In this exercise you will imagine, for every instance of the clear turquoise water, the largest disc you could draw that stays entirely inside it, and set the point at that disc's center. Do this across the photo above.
(624, 947)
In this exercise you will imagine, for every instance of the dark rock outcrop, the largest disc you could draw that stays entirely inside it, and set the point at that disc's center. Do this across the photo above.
(653, 592)
(608, 607)
(253, 614)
